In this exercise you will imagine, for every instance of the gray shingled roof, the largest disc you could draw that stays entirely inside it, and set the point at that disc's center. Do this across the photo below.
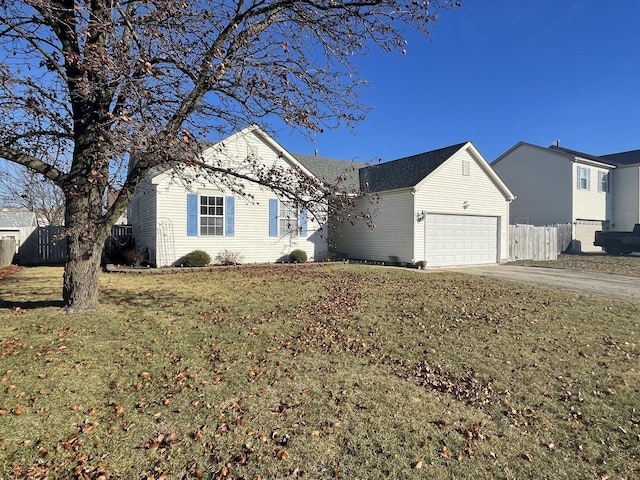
(17, 219)
(575, 153)
(404, 172)
(624, 158)
(619, 159)
(337, 173)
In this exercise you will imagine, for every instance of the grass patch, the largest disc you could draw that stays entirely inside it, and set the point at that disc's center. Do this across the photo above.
(333, 371)
(595, 262)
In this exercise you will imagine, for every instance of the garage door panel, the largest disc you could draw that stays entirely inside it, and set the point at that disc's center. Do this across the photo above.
(461, 240)
(585, 233)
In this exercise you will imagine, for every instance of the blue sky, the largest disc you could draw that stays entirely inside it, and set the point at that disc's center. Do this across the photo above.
(496, 72)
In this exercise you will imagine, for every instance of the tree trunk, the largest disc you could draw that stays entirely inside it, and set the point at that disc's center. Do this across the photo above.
(85, 240)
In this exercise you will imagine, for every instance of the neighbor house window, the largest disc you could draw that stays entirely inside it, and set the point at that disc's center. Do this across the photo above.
(603, 182)
(211, 215)
(583, 178)
(288, 218)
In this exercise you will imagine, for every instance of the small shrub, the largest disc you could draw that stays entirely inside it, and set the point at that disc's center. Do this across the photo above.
(133, 256)
(298, 256)
(227, 257)
(197, 258)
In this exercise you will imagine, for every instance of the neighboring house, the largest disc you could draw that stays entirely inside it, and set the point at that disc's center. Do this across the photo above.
(445, 207)
(171, 217)
(18, 224)
(558, 185)
(625, 188)
(111, 196)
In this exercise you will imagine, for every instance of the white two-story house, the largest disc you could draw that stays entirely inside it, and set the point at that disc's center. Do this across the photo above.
(556, 185)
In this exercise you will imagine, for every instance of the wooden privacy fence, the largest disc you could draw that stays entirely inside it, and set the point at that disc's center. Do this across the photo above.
(528, 242)
(45, 246)
(48, 245)
(7, 251)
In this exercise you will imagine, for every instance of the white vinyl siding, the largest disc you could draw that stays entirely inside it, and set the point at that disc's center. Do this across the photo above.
(590, 203)
(251, 215)
(402, 217)
(449, 196)
(625, 188)
(543, 182)
(142, 214)
(389, 239)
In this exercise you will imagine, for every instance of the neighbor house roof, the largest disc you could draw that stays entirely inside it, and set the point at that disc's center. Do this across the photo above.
(575, 153)
(17, 218)
(623, 158)
(565, 153)
(404, 172)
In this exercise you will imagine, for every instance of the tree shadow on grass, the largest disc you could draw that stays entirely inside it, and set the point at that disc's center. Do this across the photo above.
(30, 305)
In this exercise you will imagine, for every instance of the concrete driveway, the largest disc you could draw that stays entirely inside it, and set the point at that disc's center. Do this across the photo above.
(597, 283)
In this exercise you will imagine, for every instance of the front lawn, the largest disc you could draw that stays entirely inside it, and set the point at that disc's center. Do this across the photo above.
(316, 371)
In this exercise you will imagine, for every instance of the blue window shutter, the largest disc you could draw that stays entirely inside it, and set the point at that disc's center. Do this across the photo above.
(192, 215)
(273, 217)
(303, 222)
(229, 214)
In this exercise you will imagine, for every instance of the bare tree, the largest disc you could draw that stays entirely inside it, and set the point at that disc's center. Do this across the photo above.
(21, 187)
(114, 88)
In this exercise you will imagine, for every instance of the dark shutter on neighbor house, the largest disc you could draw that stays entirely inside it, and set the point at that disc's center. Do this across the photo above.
(303, 222)
(229, 214)
(273, 217)
(192, 215)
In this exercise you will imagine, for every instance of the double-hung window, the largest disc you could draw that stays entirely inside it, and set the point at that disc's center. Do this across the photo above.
(603, 182)
(288, 218)
(583, 178)
(211, 215)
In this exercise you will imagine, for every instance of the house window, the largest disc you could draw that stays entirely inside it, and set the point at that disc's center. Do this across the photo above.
(288, 218)
(603, 182)
(211, 215)
(583, 178)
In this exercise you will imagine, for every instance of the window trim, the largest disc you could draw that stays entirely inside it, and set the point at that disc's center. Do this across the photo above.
(292, 219)
(220, 216)
(603, 181)
(584, 173)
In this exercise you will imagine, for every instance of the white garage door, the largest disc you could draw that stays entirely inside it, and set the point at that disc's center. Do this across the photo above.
(585, 234)
(461, 240)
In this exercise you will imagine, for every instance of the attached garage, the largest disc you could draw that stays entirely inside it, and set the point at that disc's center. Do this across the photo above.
(585, 234)
(443, 207)
(461, 240)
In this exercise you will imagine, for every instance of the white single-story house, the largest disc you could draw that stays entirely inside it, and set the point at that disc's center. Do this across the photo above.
(171, 217)
(445, 207)
(556, 185)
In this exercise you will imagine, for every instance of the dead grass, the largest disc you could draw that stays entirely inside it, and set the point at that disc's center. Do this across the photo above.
(596, 262)
(316, 372)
